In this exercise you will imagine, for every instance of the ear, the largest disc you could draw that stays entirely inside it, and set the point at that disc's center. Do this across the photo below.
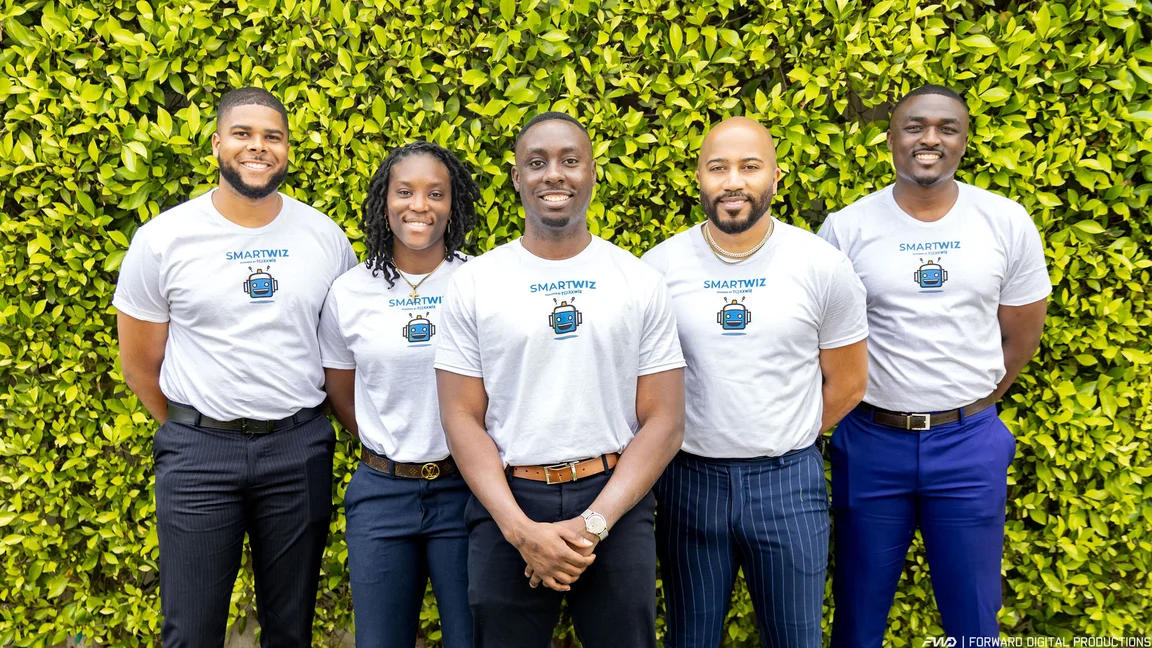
(776, 180)
(889, 139)
(215, 144)
(516, 177)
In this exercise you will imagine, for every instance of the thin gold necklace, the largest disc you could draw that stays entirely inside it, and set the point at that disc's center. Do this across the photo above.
(732, 258)
(414, 286)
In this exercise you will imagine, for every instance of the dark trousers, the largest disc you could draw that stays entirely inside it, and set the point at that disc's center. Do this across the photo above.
(766, 515)
(401, 533)
(613, 604)
(214, 486)
(951, 481)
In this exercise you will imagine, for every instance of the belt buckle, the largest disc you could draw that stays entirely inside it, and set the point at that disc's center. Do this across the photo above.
(430, 471)
(910, 422)
(560, 466)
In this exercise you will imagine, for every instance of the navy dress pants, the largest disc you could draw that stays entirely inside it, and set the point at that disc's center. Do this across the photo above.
(767, 515)
(951, 481)
(212, 487)
(401, 533)
(613, 604)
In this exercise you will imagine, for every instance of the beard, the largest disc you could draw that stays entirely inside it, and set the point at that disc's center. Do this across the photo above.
(251, 192)
(758, 209)
(555, 223)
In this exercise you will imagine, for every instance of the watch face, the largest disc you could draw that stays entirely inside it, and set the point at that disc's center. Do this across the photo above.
(595, 524)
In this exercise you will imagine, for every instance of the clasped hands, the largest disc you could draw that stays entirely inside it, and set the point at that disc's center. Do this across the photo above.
(556, 553)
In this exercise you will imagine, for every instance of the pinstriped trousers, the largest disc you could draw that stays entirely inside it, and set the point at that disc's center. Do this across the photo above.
(768, 516)
(212, 487)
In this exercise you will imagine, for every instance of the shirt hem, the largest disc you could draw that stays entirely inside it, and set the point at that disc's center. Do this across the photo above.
(843, 342)
(458, 370)
(661, 368)
(146, 316)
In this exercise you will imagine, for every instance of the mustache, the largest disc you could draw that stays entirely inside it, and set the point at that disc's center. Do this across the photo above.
(732, 194)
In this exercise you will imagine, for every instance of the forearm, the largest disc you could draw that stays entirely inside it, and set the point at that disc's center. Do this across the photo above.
(838, 399)
(1017, 353)
(346, 415)
(641, 464)
(146, 385)
(478, 459)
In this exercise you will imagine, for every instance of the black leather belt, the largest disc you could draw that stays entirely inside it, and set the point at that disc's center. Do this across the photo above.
(190, 416)
(921, 422)
(428, 470)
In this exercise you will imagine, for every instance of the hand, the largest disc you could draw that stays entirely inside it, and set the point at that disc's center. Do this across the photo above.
(550, 551)
(576, 526)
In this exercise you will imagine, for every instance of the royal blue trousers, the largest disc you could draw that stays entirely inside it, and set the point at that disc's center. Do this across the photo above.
(951, 482)
(767, 515)
(401, 534)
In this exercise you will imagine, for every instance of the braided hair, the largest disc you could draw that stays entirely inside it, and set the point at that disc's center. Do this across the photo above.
(378, 234)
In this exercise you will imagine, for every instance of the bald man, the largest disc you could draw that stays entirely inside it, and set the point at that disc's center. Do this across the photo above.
(772, 322)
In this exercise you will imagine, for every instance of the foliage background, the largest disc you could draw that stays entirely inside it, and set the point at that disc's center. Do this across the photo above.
(107, 110)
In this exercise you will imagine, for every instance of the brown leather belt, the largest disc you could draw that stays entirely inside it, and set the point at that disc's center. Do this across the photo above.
(566, 472)
(921, 422)
(429, 470)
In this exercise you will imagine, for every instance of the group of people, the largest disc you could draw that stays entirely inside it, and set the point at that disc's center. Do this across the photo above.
(545, 420)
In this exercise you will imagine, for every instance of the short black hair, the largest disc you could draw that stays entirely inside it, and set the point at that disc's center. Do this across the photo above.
(930, 89)
(548, 116)
(378, 234)
(249, 96)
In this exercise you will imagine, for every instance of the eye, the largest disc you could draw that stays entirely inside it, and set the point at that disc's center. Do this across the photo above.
(752, 167)
(436, 195)
(716, 169)
(404, 193)
(535, 164)
(571, 161)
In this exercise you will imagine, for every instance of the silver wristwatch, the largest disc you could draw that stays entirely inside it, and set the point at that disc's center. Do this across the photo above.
(595, 524)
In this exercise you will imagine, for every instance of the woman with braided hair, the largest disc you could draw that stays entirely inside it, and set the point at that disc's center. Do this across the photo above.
(378, 334)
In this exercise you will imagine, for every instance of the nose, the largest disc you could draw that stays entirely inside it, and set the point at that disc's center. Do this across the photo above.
(733, 180)
(552, 174)
(419, 203)
(931, 136)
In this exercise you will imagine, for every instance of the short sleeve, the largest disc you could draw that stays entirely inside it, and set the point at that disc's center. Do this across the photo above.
(459, 348)
(657, 259)
(828, 232)
(138, 292)
(659, 339)
(845, 318)
(348, 258)
(334, 351)
(1027, 278)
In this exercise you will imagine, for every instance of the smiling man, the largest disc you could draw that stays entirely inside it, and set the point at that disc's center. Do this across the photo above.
(219, 301)
(957, 290)
(561, 392)
(772, 323)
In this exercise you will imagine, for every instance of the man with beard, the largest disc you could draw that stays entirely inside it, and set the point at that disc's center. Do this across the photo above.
(219, 300)
(562, 395)
(957, 291)
(772, 323)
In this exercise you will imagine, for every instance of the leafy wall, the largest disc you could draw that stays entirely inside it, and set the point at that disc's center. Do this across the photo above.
(107, 110)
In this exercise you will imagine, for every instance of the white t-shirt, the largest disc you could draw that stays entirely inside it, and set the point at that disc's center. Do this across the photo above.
(934, 290)
(559, 345)
(752, 334)
(242, 304)
(390, 339)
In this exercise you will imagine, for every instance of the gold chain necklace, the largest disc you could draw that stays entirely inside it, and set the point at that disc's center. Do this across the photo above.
(414, 286)
(732, 258)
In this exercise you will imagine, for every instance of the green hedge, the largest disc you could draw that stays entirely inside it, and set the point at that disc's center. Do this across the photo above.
(107, 110)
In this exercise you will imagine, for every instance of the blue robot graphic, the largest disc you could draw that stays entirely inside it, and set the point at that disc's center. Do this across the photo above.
(565, 318)
(734, 316)
(419, 329)
(260, 284)
(930, 275)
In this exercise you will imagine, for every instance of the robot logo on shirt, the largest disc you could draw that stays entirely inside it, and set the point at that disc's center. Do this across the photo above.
(564, 319)
(419, 329)
(931, 276)
(260, 284)
(734, 317)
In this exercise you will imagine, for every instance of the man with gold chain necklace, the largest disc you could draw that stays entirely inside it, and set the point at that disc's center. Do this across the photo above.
(772, 322)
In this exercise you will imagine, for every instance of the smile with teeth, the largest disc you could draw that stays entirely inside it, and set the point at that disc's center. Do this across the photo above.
(256, 165)
(927, 156)
(555, 197)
